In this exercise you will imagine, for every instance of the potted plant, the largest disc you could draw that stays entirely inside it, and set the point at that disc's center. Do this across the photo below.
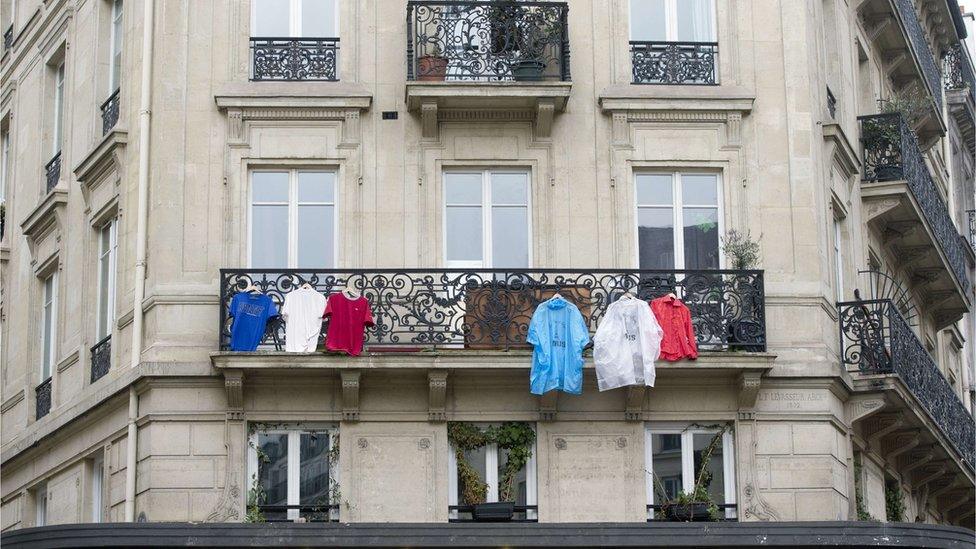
(513, 436)
(698, 505)
(432, 67)
(743, 254)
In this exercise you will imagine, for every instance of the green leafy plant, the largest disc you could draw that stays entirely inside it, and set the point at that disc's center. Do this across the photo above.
(515, 437)
(741, 250)
(699, 495)
(862, 510)
(912, 105)
(894, 502)
(256, 496)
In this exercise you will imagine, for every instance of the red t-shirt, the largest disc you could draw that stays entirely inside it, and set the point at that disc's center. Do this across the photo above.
(347, 320)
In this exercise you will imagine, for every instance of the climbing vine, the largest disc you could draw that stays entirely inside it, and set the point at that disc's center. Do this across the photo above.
(862, 509)
(515, 437)
(894, 502)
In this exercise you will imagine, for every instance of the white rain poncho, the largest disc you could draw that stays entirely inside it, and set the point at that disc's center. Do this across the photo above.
(626, 344)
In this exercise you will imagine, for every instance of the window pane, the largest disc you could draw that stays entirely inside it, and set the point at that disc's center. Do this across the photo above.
(269, 187)
(313, 486)
(509, 188)
(318, 18)
(316, 186)
(269, 236)
(666, 461)
(476, 458)
(48, 333)
(647, 20)
(273, 469)
(315, 238)
(708, 444)
(510, 237)
(271, 17)
(519, 483)
(701, 238)
(464, 233)
(104, 275)
(654, 189)
(695, 21)
(699, 190)
(462, 188)
(655, 238)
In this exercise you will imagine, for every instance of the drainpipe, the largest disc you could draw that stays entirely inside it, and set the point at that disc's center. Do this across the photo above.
(139, 288)
(130, 457)
(142, 212)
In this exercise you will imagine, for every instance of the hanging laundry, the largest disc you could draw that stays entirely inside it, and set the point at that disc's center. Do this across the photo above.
(558, 333)
(679, 334)
(626, 344)
(251, 312)
(302, 313)
(348, 318)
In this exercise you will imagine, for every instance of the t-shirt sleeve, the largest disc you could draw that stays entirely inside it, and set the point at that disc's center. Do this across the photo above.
(581, 334)
(272, 308)
(368, 315)
(286, 308)
(328, 307)
(232, 310)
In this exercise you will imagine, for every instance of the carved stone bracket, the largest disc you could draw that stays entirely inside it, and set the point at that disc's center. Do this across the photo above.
(544, 111)
(946, 486)
(875, 208)
(917, 458)
(428, 119)
(930, 472)
(234, 385)
(547, 406)
(899, 443)
(635, 403)
(882, 425)
(437, 386)
(862, 406)
(350, 394)
(749, 383)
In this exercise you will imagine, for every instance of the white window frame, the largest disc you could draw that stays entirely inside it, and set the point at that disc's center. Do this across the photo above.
(104, 328)
(838, 241)
(688, 462)
(677, 214)
(4, 163)
(491, 479)
(40, 505)
(295, 20)
(671, 21)
(294, 461)
(58, 133)
(486, 205)
(49, 333)
(114, 78)
(97, 488)
(293, 203)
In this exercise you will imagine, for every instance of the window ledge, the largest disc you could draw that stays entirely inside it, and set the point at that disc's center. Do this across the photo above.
(316, 95)
(630, 97)
(45, 214)
(102, 157)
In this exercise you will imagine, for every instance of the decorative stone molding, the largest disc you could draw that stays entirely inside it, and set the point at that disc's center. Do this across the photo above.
(749, 383)
(635, 403)
(428, 119)
(230, 506)
(844, 154)
(899, 443)
(930, 472)
(547, 406)
(876, 208)
(437, 387)
(862, 406)
(882, 425)
(234, 386)
(97, 166)
(917, 458)
(12, 401)
(46, 220)
(350, 394)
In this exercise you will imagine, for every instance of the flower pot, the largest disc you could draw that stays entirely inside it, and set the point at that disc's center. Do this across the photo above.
(528, 69)
(493, 512)
(431, 68)
(687, 512)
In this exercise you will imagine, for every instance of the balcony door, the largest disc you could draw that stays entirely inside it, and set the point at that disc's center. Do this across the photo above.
(672, 20)
(292, 219)
(679, 220)
(294, 19)
(486, 219)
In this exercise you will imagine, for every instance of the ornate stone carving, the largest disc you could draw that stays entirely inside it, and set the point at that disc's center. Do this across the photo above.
(756, 507)
(428, 119)
(560, 443)
(350, 394)
(229, 507)
(749, 383)
(547, 406)
(234, 386)
(635, 403)
(544, 111)
(437, 394)
(862, 406)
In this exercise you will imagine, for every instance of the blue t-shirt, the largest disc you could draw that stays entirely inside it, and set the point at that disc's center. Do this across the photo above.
(250, 312)
(559, 334)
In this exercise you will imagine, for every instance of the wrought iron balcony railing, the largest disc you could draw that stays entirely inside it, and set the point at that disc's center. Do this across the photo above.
(43, 400)
(491, 308)
(831, 103)
(52, 172)
(675, 62)
(920, 46)
(110, 112)
(101, 358)
(311, 513)
(8, 38)
(891, 153)
(958, 70)
(487, 40)
(875, 338)
(466, 513)
(294, 58)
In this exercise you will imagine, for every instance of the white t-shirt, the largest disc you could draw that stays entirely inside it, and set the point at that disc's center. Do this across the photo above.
(302, 313)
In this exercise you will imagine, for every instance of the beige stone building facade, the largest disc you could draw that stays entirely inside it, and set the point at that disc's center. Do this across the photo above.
(457, 164)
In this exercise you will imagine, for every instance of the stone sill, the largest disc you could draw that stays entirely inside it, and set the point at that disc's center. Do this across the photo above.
(487, 95)
(43, 215)
(341, 95)
(99, 159)
(636, 97)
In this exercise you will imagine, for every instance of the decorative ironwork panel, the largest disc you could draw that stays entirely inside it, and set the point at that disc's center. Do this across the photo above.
(8, 38)
(101, 358)
(52, 171)
(311, 513)
(876, 338)
(487, 40)
(43, 400)
(492, 308)
(970, 217)
(831, 103)
(891, 153)
(957, 69)
(294, 58)
(920, 45)
(674, 62)
(110, 112)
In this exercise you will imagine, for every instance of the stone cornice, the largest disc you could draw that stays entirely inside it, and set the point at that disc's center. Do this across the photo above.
(629, 97)
(102, 157)
(843, 151)
(284, 97)
(45, 217)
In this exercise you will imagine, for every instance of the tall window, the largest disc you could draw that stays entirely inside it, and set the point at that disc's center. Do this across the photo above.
(115, 52)
(293, 219)
(672, 20)
(40, 505)
(296, 473)
(98, 482)
(489, 462)
(677, 457)
(107, 257)
(838, 238)
(678, 220)
(58, 121)
(295, 18)
(49, 321)
(486, 219)
(4, 163)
